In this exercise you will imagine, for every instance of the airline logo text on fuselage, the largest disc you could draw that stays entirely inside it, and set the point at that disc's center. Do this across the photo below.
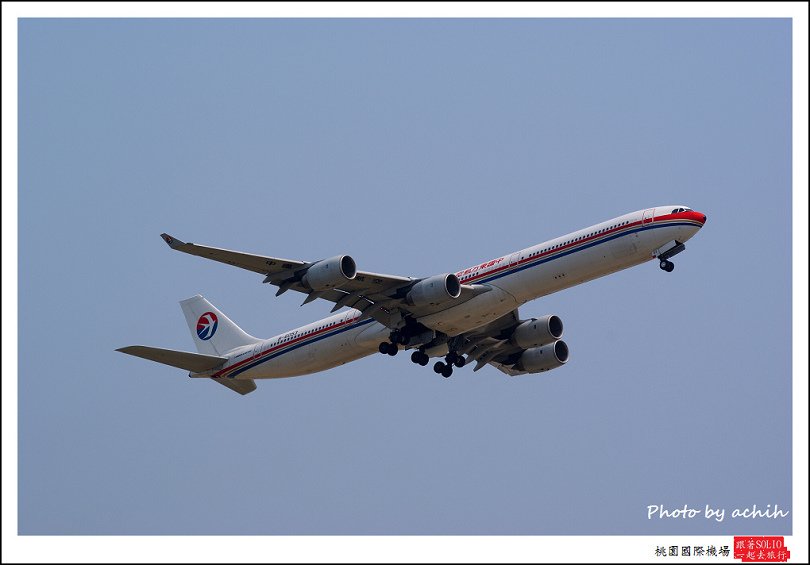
(480, 267)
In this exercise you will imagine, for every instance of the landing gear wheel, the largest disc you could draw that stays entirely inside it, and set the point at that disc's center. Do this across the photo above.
(454, 358)
(439, 367)
(420, 358)
(447, 371)
(384, 347)
(667, 266)
(392, 349)
(416, 357)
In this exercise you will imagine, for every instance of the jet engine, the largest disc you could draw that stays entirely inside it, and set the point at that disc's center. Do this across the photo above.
(329, 273)
(538, 331)
(434, 290)
(539, 359)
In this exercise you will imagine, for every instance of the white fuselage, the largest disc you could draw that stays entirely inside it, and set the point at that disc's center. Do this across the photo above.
(514, 279)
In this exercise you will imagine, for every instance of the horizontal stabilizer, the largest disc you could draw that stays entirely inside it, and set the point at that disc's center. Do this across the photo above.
(194, 362)
(242, 387)
(173, 242)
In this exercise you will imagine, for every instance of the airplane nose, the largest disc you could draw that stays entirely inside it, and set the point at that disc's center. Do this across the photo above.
(698, 217)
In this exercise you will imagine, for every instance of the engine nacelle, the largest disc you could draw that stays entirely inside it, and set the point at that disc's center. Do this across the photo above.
(539, 359)
(330, 273)
(537, 332)
(434, 290)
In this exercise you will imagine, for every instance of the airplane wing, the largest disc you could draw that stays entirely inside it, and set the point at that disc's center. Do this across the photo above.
(507, 369)
(495, 344)
(377, 295)
(490, 344)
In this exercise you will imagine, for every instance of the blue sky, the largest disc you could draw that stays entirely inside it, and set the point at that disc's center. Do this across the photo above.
(419, 147)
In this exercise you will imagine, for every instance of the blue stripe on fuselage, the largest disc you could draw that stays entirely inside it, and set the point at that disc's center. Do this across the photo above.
(296, 346)
(542, 260)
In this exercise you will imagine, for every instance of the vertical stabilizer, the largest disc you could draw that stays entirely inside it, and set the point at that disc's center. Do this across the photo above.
(212, 331)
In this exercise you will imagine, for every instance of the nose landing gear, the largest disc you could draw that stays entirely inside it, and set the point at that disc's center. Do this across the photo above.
(666, 264)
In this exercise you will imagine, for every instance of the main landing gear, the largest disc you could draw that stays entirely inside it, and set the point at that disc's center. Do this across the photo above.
(390, 347)
(667, 266)
(419, 357)
(446, 369)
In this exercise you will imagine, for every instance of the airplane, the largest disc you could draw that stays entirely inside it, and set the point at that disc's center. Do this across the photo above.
(470, 316)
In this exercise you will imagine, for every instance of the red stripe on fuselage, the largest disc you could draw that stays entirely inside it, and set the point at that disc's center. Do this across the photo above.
(688, 216)
(551, 252)
(280, 346)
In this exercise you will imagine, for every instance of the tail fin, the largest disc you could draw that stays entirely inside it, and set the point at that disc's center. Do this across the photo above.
(212, 331)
